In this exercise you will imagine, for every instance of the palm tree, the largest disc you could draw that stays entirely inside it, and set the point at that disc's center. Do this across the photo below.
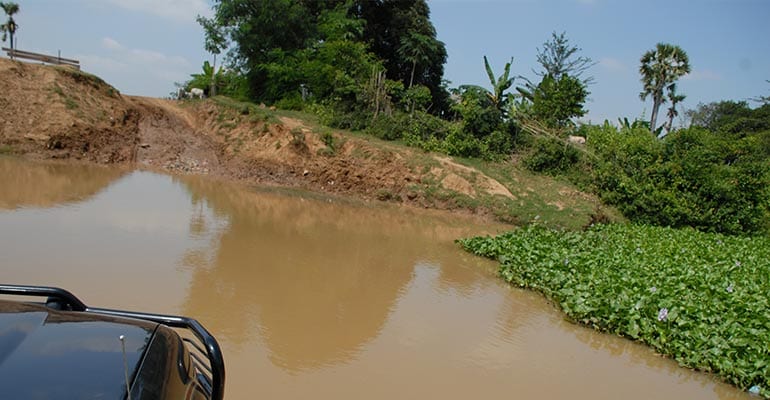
(497, 96)
(660, 68)
(10, 26)
(674, 98)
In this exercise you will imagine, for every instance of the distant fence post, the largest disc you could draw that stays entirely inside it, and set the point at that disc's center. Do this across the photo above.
(28, 55)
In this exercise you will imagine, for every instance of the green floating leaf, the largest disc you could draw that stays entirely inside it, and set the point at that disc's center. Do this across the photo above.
(620, 278)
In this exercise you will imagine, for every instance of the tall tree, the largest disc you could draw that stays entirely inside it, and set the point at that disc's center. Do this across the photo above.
(716, 116)
(215, 41)
(660, 68)
(267, 36)
(558, 58)
(557, 101)
(675, 99)
(9, 26)
(330, 46)
(733, 118)
(416, 48)
(563, 89)
(392, 24)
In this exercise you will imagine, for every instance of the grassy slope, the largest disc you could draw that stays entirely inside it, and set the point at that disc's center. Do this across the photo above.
(552, 202)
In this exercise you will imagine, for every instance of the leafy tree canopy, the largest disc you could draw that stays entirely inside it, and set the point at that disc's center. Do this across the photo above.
(730, 117)
(556, 101)
(329, 46)
(399, 32)
(558, 57)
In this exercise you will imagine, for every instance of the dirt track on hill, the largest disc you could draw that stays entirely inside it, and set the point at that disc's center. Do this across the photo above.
(51, 112)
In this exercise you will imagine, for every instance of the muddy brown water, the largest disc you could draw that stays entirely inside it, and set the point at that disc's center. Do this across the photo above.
(315, 297)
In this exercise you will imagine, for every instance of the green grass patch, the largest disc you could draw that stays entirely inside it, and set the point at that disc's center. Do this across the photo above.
(246, 109)
(551, 201)
(70, 103)
(6, 149)
(700, 298)
(58, 90)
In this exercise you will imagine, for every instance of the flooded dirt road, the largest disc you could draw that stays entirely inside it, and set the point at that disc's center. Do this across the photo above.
(315, 297)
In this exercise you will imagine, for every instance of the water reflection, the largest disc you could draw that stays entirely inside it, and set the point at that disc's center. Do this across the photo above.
(117, 248)
(320, 300)
(313, 298)
(319, 279)
(29, 184)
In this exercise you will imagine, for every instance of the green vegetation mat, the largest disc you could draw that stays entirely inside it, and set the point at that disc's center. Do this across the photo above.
(699, 298)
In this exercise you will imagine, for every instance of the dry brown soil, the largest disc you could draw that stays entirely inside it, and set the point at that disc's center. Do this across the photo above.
(49, 112)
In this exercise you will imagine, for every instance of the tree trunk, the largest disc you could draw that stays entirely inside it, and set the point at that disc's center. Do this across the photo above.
(656, 102)
(213, 91)
(411, 79)
(376, 87)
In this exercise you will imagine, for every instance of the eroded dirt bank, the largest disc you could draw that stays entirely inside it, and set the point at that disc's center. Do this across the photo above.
(58, 113)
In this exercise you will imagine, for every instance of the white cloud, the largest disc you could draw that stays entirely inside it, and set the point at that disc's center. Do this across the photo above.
(99, 63)
(178, 10)
(144, 58)
(123, 66)
(150, 57)
(702, 75)
(612, 64)
(111, 44)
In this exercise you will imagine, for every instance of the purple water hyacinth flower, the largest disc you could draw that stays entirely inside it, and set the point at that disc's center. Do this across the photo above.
(663, 314)
(653, 289)
(737, 263)
(730, 288)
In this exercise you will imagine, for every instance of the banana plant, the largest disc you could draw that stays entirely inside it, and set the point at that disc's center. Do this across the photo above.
(497, 96)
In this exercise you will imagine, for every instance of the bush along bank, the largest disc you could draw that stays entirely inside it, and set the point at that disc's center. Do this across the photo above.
(700, 298)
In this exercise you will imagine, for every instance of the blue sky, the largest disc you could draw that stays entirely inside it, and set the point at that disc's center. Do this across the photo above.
(143, 46)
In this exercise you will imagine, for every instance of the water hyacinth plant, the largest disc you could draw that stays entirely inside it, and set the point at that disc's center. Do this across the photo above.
(699, 298)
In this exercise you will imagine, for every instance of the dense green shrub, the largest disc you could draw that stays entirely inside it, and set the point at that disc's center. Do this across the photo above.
(498, 144)
(388, 127)
(463, 144)
(338, 115)
(290, 103)
(692, 177)
(414, 128)
(551, 156)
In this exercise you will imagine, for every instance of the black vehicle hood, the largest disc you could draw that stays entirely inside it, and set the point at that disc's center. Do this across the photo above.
(48, 354)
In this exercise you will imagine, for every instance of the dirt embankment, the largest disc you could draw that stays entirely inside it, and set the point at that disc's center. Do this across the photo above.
(57, 112)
